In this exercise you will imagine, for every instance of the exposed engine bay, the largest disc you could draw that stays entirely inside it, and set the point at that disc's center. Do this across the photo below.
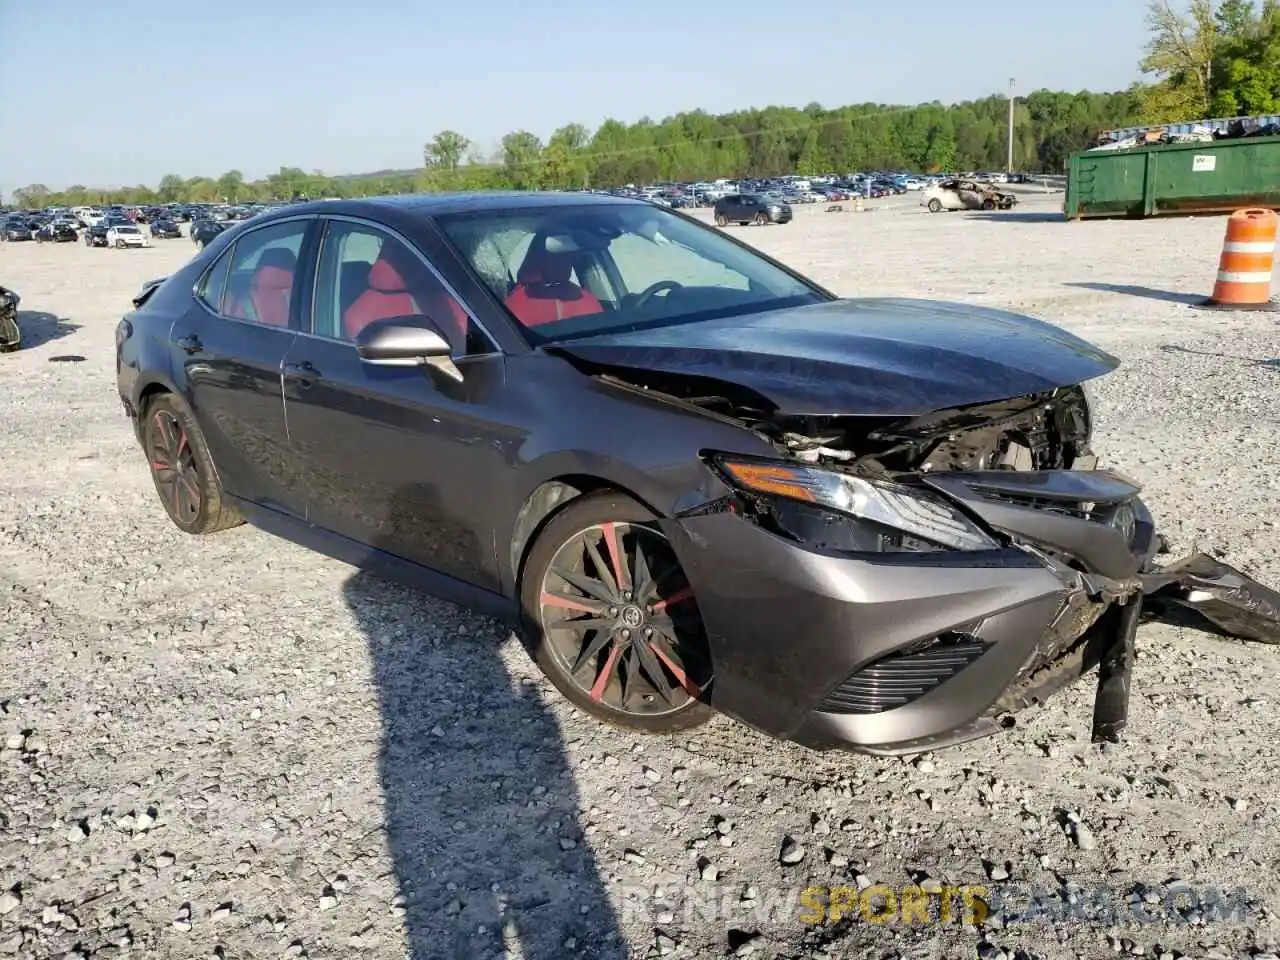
(1048, 431)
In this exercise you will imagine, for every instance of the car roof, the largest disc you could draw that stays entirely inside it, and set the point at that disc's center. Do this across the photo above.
(433, 204)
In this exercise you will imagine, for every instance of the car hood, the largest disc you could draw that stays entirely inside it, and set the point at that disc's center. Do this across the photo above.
(872, 357)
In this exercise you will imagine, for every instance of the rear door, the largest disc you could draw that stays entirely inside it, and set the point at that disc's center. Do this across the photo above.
(231, 346)
(397, 458)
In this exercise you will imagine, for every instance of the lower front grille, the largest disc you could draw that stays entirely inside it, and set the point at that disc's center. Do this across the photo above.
(898, 679)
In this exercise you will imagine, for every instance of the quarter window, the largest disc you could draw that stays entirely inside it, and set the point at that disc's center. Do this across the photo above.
(214, 282)
(366, 275)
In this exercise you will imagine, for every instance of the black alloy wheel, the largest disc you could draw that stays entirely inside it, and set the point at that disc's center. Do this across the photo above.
(183, 473)
(614, 622)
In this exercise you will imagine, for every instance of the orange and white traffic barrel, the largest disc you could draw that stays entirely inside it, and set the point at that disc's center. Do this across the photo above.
(1247, 262)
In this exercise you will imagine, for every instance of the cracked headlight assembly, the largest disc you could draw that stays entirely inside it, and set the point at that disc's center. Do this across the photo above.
(893, 517)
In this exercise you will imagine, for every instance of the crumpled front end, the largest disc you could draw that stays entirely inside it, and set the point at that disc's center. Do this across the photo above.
(909, 585)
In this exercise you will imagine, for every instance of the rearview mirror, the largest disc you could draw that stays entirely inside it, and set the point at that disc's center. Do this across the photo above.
(401, 342)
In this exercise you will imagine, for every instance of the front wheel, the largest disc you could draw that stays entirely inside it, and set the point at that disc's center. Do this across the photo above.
(611, 619)
(761, 220)
(183, 470)
(935, 205)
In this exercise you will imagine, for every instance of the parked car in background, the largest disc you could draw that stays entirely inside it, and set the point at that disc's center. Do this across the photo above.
(17, 228)
(204, 230)
(127, 235)
(58, 231)
(745, 208)
(712, 484)
(165, 229)
(96, 235)
(963, 194)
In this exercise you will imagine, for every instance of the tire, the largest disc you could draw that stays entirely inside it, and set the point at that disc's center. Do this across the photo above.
(935, 205)
(182, 469)
(721, 220)
(666, 637)
(761, 219)
(988, 204)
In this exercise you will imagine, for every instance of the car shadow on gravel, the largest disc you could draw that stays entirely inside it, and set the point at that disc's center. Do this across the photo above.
(1148, 293)
(38, 328)
(482, 809)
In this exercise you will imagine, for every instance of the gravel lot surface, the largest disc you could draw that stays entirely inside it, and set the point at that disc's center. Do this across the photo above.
(230, 747)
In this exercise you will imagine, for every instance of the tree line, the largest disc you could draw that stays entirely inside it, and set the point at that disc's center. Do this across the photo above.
(1205, 57)
(695, 145)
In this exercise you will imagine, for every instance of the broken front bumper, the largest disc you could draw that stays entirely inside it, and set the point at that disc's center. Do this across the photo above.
(900, 652)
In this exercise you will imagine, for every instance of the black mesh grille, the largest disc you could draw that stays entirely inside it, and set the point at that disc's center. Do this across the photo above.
(900, 678)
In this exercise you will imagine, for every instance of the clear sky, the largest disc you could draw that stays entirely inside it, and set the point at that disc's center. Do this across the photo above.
(121, 92)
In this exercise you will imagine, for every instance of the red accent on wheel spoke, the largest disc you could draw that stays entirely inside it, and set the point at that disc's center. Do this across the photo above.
(682, 678)
(678, 597)
(602, 681)
(157, 465)
(621, 575)
(182, 441)
(553, 600)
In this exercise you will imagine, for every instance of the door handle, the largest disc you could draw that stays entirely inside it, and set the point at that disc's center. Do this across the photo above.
(190, 344)
(303, 373)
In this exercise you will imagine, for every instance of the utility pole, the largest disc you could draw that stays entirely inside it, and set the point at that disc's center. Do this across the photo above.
(1009, 168)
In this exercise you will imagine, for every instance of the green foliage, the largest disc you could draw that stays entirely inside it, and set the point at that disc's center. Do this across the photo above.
(693, 145)
(1221, 61)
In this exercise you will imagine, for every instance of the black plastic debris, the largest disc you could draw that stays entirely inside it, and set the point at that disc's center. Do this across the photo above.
(67, 358)
(1233, 602)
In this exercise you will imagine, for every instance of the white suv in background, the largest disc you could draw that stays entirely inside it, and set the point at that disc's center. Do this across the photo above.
(127, 235)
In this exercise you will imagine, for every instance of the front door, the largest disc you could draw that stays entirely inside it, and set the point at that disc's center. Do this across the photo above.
(395, 457)
(232, 345)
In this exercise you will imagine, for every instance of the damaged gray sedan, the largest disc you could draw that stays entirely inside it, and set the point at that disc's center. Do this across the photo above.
(695, 480)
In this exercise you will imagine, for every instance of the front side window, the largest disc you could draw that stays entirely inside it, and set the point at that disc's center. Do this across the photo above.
(264, 268)
(367, 275)
(570, 271)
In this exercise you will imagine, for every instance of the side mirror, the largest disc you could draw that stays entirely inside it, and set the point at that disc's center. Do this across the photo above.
(401, 342)
(409, 341)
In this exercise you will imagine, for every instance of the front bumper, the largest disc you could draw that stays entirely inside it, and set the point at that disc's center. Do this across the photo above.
(896, 653)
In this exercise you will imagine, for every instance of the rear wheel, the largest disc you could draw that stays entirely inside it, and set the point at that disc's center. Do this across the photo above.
(183, 470)
(721, 220)
(611, 619)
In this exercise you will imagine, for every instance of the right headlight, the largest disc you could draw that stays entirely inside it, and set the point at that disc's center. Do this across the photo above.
(907, 510)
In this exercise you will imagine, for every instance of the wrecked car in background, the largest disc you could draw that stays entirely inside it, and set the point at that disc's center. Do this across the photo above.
(10, 335)
(965, 195)
(694, 479)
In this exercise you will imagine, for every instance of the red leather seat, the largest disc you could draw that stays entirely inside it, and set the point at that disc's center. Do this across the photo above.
(269, 290)
(388, 296)
(544, 293)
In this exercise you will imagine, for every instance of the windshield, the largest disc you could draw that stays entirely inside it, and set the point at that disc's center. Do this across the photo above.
(574, 271)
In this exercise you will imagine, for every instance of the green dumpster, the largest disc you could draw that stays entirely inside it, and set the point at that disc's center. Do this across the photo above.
(1177, 178)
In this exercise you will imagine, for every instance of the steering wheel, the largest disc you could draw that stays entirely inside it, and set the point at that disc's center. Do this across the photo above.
(651, 291)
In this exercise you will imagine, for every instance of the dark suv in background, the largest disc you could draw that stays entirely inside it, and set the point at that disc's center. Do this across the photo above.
(744, 208)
